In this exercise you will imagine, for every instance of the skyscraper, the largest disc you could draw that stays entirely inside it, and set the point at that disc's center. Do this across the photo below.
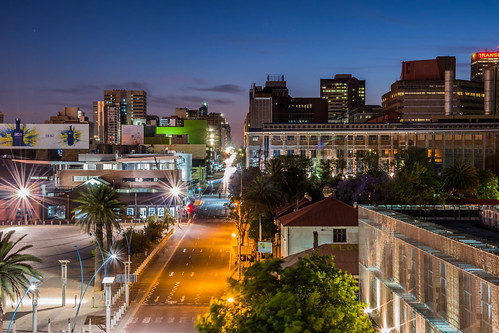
(481, 60)
(133, 104)
(99, 120)
(343, 93)
(491, 90)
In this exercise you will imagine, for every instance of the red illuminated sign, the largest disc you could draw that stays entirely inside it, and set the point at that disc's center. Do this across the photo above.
(483, 55)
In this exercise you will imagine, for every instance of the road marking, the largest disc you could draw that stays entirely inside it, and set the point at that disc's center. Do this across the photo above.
(182, 320)
(134, 320)
(158, 320)
(171, 274)
(171, 320)
(156, 300)
(187, 264)
(192, 274)
(184, 250)
(183, 273)
(190, 257)
(146, 320)
(182, 299)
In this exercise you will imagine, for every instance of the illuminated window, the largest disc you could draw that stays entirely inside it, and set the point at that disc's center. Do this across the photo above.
(339, 235)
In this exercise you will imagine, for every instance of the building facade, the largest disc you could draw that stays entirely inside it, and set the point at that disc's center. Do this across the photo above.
(473, 143)
(343, 93)
(491, 90)
(133, 105)
(420, 277)
(480, 61)
(68, 115)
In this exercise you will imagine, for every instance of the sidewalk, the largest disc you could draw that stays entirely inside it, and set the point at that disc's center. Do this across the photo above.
(50, 292)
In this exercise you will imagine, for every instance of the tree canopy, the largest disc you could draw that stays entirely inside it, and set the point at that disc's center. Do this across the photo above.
(313, 297)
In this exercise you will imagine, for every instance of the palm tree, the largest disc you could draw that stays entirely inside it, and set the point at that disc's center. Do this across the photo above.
(99, 210)
(461, 179)
(14, 270)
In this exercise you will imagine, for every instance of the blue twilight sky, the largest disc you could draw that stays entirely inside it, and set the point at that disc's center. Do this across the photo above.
(65, 53)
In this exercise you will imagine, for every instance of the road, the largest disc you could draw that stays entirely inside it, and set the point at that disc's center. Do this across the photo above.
(180, 285)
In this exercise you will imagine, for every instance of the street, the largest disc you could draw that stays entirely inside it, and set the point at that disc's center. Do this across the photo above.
(178, 287)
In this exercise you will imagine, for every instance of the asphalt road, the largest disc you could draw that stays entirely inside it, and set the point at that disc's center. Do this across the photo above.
(181, 284)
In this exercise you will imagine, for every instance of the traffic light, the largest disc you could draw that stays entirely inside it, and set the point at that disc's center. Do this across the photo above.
(189, 208)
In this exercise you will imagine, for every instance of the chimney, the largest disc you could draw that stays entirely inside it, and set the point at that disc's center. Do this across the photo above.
(316, 240)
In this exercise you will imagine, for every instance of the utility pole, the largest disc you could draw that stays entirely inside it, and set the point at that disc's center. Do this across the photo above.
(64, 279)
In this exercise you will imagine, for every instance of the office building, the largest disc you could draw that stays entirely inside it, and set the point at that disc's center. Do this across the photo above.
(343, 93)
(68, 115)
(273, 104)
(428, 88)
(475, 143)
(491, 90)
(133, 105)
(99, 120)
(417, 276)
(480, 61)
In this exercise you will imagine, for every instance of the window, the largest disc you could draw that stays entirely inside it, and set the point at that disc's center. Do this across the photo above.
(402, 266)
(129, 211)
(142, 212)
(339, 235)
(485, 308)
(313, 153)
(326, 138)
(277, 137)
(303, 138)
(108, 166)
(429, 281)
(291, 152)
(465, 310)
(161, 212)
(313, 137)
(303, 152)
(340, 153)
(277, 152)
(291, 138)
(255, 138)
(442, 301)
(152, 211)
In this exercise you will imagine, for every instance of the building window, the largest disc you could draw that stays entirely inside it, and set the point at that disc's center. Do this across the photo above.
(339, 235)
(313, 137)
(413, 272)
(485, 308)
(108, 166)
(142, 213)
(465, 308)
(161, 212)
(340, 153)
(277, 152)
(402, 266)
(291, 152)
(442, 301)
(277, 137)
(313, 153)
(129, 211)
(303, 138)
(429, 281)
(152, 211)
(255, 138)
(303, 152)
(291, 138)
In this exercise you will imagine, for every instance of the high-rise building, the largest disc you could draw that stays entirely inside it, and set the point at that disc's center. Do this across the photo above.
(272, 104)
(428, 88)
(112, 125)
(480, 61)
(99, 120)
(133, 105)
(491, 90)
(343, 93)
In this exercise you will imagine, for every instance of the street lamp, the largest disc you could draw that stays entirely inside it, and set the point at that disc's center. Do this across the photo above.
(34, 290)
(23, 193)
(64, 278)
(175, 192)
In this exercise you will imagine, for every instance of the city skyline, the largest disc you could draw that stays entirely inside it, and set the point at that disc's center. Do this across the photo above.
(66, 54)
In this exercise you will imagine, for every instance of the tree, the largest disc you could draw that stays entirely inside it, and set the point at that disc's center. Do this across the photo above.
(314, 297)
(461, 179)
(488, 185)
(98, 211)
(15, 269)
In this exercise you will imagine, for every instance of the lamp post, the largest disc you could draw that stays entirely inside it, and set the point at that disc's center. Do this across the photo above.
(23, 193)
(108, 281)
(175, 192)
(64, 279)
(35, 283)
(31, 287)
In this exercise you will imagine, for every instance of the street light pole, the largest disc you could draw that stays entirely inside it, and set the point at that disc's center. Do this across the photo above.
(107, 281)
(35, 283)
(64, 279)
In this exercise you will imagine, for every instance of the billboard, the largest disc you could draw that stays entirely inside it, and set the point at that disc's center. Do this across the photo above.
(132, 135)
(43, 136)
(265, 247)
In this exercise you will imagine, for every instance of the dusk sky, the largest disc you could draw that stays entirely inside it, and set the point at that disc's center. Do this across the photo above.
(65, 53)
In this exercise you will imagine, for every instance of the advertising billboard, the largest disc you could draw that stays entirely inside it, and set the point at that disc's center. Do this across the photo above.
(132, 135)
(43, 136)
